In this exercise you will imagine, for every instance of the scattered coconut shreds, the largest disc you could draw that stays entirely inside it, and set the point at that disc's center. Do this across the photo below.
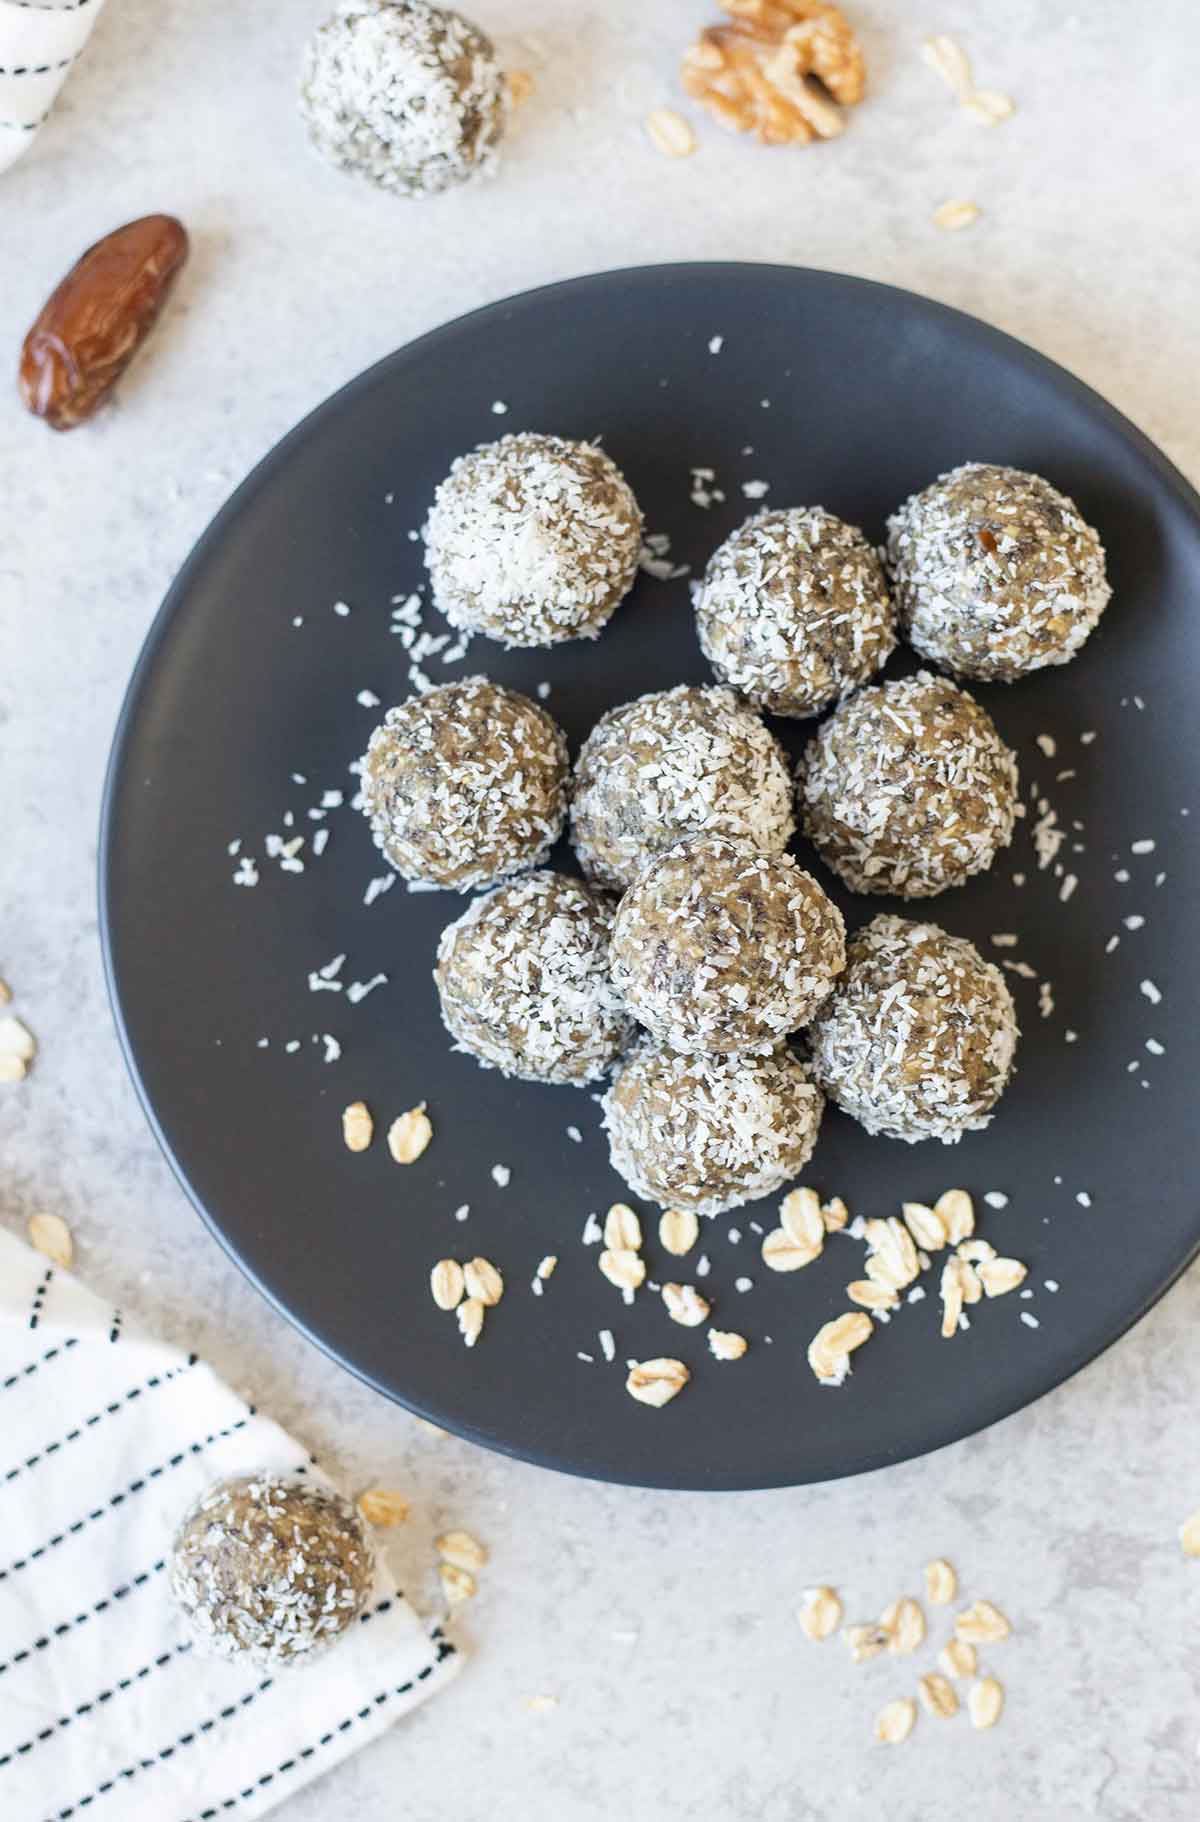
(895, 1722)
(546, 1266)
(821, 1614)
(715, 344)
(656, 1382)
(574, 1134)
(501, 1175)
(1151, 992)
(995, 1198)
(608, 1345)
(358, 990)
(499, 408)
(1083, 1198)
(593, 1233)
(383, 1507)
(377, 887)
(50, 1236)
(409, 1135)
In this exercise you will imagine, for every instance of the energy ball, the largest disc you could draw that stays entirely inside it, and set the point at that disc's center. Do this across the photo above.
(407, 95)
(532, 540)
(719, 948)
(268, 1568)
(676, 763)
(794, 611)
(709, 1133)
(908, 788)
(465, 784)
(523, 980)
(996, 573)
(918, 1040)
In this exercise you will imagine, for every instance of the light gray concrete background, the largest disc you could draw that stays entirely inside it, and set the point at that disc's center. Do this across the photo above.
(665, 1626)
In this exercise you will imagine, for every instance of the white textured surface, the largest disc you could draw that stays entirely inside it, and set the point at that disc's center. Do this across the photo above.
(665, 1625)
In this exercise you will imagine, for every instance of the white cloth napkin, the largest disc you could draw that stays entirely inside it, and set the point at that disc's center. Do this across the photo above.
(39, 41)
(106, 1711)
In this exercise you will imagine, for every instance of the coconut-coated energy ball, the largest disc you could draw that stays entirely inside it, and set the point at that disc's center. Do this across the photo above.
(465, 784)
(678, 762)
(407, 95)
(710, 1132)
(719, 948)
(908, 788)
(533, 540)
(524, 985)
(917, 1041)
(996, 573)
(268, 1568)
(794, 611)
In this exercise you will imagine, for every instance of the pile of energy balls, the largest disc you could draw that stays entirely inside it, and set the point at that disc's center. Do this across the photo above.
(696, 961)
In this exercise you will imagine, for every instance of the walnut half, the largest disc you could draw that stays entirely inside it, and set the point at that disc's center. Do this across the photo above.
(777, 70)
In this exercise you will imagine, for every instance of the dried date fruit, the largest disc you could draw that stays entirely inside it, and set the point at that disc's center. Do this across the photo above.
(91, 327)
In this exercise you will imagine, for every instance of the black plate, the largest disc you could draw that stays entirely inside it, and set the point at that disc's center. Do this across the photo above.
(872, 392)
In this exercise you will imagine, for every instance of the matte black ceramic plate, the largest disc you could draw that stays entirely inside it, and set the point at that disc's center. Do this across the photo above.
(834, 391)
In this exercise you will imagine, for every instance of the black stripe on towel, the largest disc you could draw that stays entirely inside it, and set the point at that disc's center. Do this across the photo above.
(118, 1499)
(89, 1423)
(167, 1752)
(13, 1379)
(81, 1619)
(39, 1296)
(99, 1700)
(444, 1650)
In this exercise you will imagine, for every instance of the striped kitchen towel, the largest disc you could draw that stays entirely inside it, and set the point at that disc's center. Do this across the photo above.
(106, 1710)
(39, 41)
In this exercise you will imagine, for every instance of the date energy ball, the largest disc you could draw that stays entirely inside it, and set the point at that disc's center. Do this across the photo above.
(406, 95)
(996, 573)
(710, 1132)
(719, 948)
(268, 1568)
(465, 784)
(908, 788)
(523, 981)
(918, 1040)
(794, 611)
(532, 540)
(678, 762)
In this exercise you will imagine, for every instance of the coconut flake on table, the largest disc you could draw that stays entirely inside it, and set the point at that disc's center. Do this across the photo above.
(1144, 846)
(462, 1211)
(246, 871)
(501, 1175)
(367, 699)
(1047, 744)
(333, 1049)
(341, 609)
(1155, 1048)
(592, 1230)
(575, 1135)
(378, 886)
(358, 990)
(1151, 992)
(756, 490)
(499, 408)
(715, 344)
(703, 491)
(1083, 1198)
(320, 842)
(995, 1198)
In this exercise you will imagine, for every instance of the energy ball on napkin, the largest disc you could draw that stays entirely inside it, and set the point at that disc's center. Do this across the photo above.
(794, 611)
(996, 573)
(268, 1568)
(908, 788)
(523, 980)
(709, 1133)
(407, 95)
(678, 762)
(533, 540)
(917, 1041)
(465, 784)
(719, 948)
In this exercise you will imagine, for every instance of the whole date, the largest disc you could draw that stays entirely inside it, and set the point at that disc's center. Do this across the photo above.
(91, 327)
